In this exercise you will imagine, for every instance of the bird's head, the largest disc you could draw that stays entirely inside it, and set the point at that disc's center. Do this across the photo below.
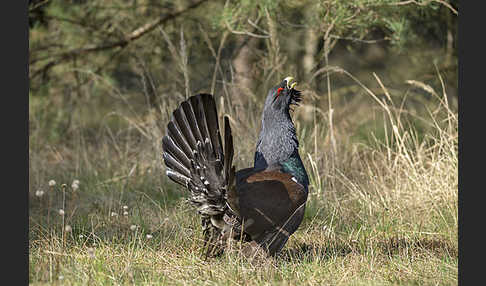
(283, 95)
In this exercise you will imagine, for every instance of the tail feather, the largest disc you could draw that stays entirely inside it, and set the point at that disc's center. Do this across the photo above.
(178, 177)
(176, 135)
(193, 153)
(180, 120)
(229, 170)
(174, 164)
(213, 125)
(174, 150)
(200, 117)
(191, 119)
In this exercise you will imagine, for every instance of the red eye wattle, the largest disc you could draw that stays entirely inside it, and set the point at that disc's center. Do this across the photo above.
(279, 90)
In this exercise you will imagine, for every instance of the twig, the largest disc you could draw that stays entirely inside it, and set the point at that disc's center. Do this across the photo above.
(245, 32)
(449, 6)
(216, 55)
(358, 40)
(56, 253)
(256, 27)
(184, 63)
(37, 5)
(327, 49)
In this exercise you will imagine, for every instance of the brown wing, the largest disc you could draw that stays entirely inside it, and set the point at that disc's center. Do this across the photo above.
(271, 205)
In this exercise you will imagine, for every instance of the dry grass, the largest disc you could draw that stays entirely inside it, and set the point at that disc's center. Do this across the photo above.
(382, 210)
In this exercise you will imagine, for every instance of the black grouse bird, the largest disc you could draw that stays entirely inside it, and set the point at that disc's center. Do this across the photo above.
(263, 204)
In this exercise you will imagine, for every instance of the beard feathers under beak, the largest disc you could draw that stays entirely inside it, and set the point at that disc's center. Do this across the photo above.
(295, 97)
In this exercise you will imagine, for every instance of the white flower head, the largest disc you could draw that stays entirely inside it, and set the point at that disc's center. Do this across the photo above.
(91, 252)
(133, 227)
(75, 185)
(125, 213)
(68, 228)
(148, 236)
(39, 193)
(61, 211)
(125, 207)
(52, 183)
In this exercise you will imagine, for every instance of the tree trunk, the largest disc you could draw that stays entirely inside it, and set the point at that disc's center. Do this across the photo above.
(243, 81)
(308, 62)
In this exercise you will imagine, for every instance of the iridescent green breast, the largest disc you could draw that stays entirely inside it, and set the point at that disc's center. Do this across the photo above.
(294, 166)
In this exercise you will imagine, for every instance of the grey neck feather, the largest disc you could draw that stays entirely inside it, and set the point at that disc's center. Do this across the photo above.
(277, 140)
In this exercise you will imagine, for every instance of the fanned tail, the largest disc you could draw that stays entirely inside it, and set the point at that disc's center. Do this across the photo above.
(193, 154)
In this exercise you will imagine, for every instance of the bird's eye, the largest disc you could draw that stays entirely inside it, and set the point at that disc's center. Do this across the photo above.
(279, 90)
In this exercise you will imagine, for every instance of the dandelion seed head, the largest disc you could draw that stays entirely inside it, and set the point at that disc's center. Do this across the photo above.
(68, 228)
(133, 227)
(61, 211)
(91, 252)
(75, 187)
(148, 236)
(39, 193)
(52, 183)
(125, 207)
(125, 213)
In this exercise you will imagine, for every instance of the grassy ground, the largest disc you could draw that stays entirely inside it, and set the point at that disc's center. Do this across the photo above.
(382, 208)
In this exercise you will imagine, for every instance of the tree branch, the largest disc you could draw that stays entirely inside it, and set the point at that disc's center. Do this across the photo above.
(127, 39)
(425, 3)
